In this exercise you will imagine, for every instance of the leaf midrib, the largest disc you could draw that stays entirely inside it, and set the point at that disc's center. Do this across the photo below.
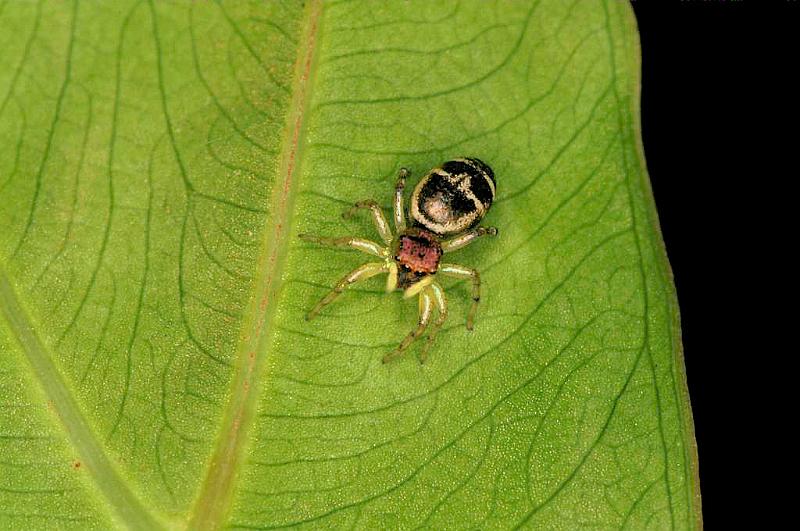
(110, 483)
(214, 500)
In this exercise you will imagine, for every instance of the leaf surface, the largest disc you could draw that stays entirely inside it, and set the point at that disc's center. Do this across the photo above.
(158, 160)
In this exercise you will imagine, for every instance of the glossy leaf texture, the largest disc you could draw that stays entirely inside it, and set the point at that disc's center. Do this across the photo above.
(159, 160)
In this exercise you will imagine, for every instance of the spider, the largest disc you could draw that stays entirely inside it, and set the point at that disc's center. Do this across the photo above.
(446, 205)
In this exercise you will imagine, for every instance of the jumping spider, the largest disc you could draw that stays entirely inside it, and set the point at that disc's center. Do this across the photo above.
(445, 207)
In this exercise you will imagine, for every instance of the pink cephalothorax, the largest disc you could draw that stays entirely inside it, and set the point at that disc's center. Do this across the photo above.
(419, 251)
(446, 206)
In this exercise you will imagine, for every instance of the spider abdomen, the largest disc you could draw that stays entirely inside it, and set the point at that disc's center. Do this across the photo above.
(453, 197)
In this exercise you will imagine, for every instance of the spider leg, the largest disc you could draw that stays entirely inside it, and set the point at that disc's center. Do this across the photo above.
(399, 208)
(377, 217)
(441, 306)
(360, 273)
(425, 310)
(392, 278)
(457, 271)
(468, 237)
(359, 244)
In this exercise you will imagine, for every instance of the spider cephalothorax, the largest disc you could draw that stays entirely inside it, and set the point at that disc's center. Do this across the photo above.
(446, 206)
(417, 255)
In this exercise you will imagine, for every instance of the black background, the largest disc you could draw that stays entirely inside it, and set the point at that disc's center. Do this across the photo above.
(716, 82)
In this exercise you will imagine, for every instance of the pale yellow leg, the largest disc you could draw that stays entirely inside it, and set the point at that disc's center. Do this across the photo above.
(437, 293)
(465, 239)
(377, 217)
(425, 310)
(391, 279)
(457, 271)
(360, 273)
(399, 208)
(359, 244)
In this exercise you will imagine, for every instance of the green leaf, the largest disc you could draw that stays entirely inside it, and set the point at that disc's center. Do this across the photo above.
(159, 159)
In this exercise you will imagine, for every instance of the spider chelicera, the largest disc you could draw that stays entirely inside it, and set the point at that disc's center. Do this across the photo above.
(446, 206)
